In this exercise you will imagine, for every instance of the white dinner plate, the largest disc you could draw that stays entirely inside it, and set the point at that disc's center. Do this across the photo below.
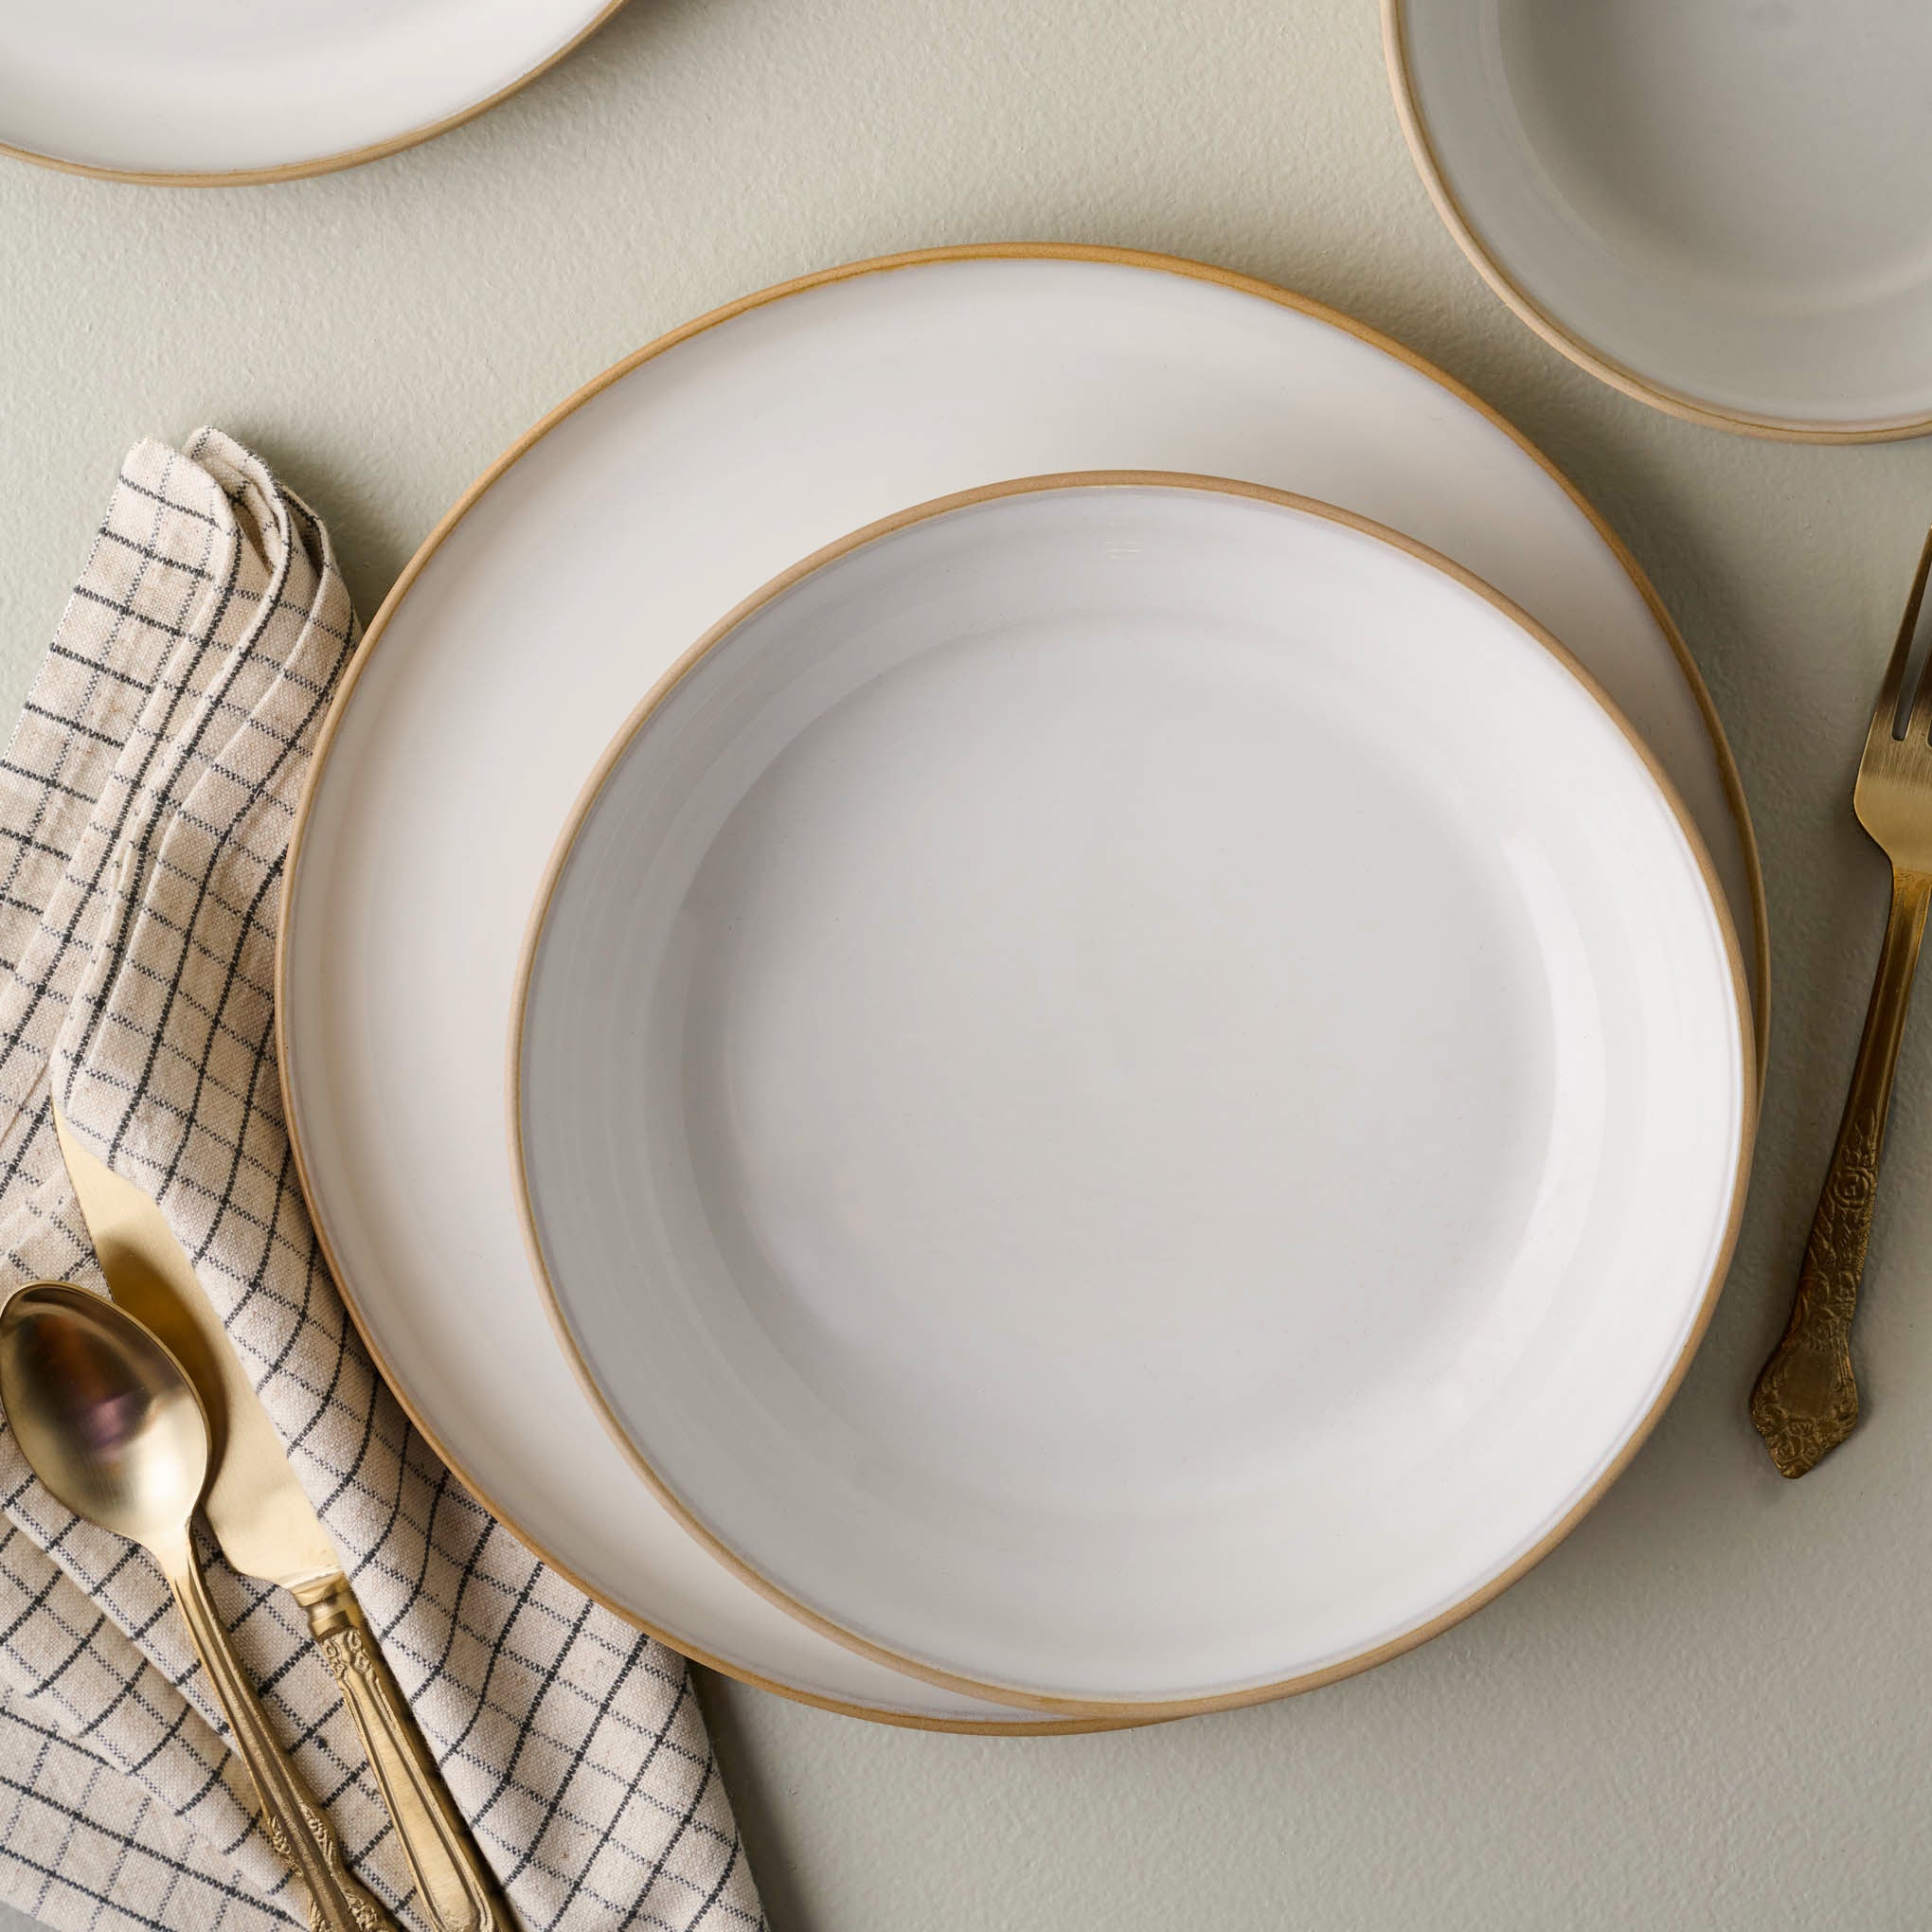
(198, 91)
(1128, 1089)
(574, 573)
(1720, 207)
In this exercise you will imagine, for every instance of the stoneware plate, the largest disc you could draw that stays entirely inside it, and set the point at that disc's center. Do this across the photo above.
(217, 90)
(1129, 1090)
(563, 587)
(1719, 207)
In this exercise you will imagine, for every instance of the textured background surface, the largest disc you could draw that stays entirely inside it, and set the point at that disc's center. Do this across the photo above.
(1711, 1706)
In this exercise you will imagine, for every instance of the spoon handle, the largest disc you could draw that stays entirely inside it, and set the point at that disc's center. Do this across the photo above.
(295, 1822)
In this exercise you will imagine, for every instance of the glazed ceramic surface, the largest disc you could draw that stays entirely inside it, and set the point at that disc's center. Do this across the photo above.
(1718, 207)
(1129, 1091)
(566, 586)
(204, 87)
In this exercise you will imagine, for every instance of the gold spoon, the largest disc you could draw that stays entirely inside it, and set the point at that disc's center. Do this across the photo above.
(114, 1428)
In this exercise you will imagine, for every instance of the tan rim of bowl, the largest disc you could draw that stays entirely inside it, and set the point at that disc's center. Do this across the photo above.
(1605, 367)
(327, 164)
(995, 250)
(729, 1553)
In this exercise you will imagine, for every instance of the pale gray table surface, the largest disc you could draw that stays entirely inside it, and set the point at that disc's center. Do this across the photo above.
(1711, 1706)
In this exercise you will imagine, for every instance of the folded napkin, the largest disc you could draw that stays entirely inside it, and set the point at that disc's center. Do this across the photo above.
(145, 808)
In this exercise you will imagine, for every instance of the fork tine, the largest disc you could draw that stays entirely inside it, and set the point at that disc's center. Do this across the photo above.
(1885, 714)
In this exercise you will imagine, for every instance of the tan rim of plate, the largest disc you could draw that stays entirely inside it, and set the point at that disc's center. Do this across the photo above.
(1560, 337)
(995, 250)
(327, 164)
(727, 1553)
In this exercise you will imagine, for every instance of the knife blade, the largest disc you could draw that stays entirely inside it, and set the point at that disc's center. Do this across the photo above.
(267, 1528)
(266, 1525)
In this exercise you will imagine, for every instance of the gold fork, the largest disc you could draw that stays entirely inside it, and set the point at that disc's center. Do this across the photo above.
(1806, 1400)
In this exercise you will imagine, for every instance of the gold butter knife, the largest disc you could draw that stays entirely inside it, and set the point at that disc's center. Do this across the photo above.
(268, 1529)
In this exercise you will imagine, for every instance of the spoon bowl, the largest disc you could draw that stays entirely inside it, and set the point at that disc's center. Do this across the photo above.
(103, 1412)
(112, 1425)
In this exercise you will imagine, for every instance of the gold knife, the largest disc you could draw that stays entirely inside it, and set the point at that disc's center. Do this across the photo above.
(268, 1529)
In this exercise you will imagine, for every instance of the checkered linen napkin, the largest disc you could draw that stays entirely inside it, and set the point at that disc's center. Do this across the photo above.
(145, 808)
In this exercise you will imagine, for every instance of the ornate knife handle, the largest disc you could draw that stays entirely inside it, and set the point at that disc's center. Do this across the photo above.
(458, 1892)
(1806, 1400)
(296, 1823)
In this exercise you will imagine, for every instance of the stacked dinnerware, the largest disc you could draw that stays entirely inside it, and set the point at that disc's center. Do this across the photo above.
(1024, 988)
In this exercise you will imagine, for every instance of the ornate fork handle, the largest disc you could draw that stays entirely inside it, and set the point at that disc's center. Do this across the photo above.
(1806, 1400)
(457, 1889)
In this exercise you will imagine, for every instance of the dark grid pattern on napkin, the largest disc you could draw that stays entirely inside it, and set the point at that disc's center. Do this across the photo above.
(145, 808)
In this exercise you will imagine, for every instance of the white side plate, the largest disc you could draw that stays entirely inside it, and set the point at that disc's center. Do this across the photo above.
(567, 584)
(195, 88)
(1721, 207)
(1128, 1092)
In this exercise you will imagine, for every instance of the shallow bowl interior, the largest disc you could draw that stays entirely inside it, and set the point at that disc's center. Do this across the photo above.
(1720, 206)
(1130, 1091)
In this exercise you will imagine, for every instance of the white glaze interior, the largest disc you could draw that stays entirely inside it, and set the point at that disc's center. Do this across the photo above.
(1131, 1091)
(570, 587)
(207, 86)
(1727, 198)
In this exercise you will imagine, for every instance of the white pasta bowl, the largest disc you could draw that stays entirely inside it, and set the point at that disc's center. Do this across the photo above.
(1720, 207)
(1130, 1091)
